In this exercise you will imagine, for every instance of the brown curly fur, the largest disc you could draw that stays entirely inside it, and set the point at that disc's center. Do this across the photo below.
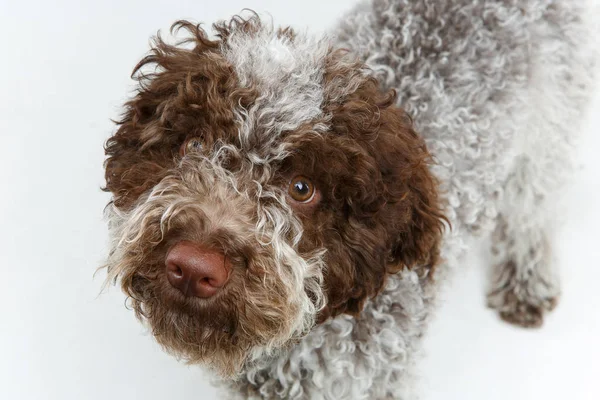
(378, 211)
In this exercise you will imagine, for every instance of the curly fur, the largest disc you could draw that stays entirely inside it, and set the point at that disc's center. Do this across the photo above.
(330, 301)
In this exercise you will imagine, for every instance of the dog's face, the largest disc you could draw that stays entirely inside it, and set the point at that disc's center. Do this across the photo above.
(261, 183)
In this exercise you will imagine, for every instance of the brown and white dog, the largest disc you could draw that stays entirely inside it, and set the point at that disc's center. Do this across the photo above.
(277, 217)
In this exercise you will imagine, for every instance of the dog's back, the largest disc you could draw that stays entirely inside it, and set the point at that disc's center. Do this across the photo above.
(483, 80)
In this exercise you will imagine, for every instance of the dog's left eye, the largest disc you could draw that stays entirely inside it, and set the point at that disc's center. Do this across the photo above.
(301, 189)
(190, 144)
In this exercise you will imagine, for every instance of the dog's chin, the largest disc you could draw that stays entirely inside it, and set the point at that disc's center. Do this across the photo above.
(198, 341)
(197, 331)
(219, 333)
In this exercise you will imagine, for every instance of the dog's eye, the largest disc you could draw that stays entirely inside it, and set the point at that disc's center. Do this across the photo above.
(190, 144)
(301, 189)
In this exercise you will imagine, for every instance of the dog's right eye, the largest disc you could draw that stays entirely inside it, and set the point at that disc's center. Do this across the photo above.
(190, 144)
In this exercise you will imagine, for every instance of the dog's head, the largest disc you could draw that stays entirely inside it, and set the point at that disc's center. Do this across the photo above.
(261, 184)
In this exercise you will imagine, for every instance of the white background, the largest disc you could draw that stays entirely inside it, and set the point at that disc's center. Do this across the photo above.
(64, 71)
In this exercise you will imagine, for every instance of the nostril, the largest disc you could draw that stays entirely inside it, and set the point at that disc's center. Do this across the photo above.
(177, 271)
(211, 283)
(174, 269)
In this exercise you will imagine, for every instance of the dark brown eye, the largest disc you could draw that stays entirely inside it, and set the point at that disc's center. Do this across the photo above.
(301, 189)
(190, 145)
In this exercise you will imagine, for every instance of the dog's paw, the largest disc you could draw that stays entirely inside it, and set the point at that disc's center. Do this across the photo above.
(527, 313)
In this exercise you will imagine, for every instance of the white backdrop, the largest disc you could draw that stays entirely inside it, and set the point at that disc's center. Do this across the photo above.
(64, 69)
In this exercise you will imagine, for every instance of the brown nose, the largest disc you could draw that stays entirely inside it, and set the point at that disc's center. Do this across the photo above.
(196, 271)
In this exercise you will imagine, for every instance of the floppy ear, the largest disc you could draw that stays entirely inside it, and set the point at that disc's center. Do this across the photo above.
(174, 101)
(411, 191)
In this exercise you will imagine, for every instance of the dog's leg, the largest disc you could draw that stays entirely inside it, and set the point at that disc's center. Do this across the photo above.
(546, 127)
(525, 283)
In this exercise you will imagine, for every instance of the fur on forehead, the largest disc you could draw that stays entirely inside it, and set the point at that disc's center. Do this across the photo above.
(249, 88)
(287, 69)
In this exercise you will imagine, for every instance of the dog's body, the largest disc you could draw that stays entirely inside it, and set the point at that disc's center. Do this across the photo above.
(495, 89)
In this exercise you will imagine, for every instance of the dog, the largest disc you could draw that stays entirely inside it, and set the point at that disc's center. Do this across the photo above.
(285, 207)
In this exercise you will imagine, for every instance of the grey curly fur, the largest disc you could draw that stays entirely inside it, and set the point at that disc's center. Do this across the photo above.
(496, 88)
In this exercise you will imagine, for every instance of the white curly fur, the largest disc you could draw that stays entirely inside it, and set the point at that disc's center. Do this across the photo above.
(288, 74)
(497, 89)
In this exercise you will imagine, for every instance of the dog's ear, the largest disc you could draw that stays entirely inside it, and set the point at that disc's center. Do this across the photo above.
(391, 192)
(391, 216)
(183, 91)
(131, 169)
(411, 191)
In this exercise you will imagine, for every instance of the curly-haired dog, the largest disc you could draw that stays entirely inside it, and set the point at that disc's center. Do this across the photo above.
(282, 207)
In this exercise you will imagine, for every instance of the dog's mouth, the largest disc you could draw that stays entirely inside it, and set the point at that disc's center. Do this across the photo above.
(155, 298)
(246, 314)
(193, 329)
